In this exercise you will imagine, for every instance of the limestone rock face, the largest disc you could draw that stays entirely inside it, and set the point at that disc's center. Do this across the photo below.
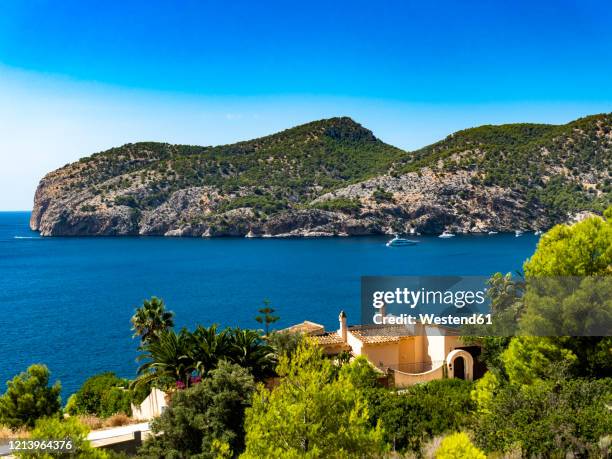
(334, 178)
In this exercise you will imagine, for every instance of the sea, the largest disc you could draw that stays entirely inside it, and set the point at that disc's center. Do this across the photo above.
(67, 302)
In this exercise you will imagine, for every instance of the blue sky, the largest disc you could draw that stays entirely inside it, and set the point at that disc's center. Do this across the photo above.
(78, 77)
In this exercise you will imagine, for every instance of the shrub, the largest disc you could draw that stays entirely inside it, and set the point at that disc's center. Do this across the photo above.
(458, 446)
(284, 343)
(381, 195)
(547, 418)
(361, 373)
(117, 420)
(126, 200)
(205, 419)
(420, 412)
(90, 421)
(29, 397)
(345, 205)
(71, 430)
(103, 395)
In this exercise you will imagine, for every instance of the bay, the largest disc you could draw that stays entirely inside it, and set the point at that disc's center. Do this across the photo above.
(67, 302)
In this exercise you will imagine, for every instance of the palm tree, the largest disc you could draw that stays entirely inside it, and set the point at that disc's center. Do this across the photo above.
(150, 319)
(249, 350)
(168, 360)
(209, 347)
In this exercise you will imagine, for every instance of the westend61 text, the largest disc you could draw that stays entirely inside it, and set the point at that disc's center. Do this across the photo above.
(432, 319)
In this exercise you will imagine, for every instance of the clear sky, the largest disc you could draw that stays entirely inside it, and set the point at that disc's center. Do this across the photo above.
(81, 76)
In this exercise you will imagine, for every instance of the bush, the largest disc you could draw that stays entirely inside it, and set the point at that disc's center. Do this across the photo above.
(345, 205)
(458, 446)
(126, 200)
(205, 419)
(547, 418)
(28, 397)
(360, 373)
(71, 430)
(284, 343)
(420, 412)
(381, 195)
(117, 420)
(102, 395)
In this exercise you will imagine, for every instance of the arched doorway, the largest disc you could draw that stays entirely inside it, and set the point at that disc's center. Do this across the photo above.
(459, 365)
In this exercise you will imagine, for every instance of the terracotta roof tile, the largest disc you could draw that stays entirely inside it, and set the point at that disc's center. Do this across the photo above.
(307, 327)
(373, 334)
(329, 338)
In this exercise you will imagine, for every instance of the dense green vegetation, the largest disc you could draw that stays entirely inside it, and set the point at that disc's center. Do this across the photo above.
(559, 168)
(550, 395)
(414, 416)
(208, 417)
(102, 395)
(545, 163)
(28, 397)
(273, 171)
(180, 359)
(344, 205)
(317, 410)
(69, 429)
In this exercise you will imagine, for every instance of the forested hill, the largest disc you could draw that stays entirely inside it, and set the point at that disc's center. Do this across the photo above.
(334, 177)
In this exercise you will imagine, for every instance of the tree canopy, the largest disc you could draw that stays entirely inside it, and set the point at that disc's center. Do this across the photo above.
(29, 397)
(204, 418)
(313, 412)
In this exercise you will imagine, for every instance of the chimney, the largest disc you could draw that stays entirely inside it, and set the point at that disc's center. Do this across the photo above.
(343, 328)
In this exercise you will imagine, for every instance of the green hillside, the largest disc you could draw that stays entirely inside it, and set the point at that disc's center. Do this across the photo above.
(489, 177)
(289, 167)
(564, 167)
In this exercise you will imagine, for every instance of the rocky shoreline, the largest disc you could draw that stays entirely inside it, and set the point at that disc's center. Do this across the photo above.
(426, 202)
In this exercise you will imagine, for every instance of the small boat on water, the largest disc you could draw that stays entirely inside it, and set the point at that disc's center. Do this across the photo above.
(490, 233)
(250, 234)
(538, 232)
(400, 242)
(518, 233)
(446, 234)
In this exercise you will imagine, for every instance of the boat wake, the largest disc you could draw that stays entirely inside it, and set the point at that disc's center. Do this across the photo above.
(26, 237)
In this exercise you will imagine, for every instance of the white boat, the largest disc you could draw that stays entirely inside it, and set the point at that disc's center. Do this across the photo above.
(446, 234)
(400, 242)
(250, 234)
(490, 233)
(538, 232)
(518, 233)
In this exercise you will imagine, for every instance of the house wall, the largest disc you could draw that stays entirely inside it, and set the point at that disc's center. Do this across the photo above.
(407, 350)
(354, 343)
(420, 349)
(383, 354)
(401, 379)
(451, 343)
(151, 407)
(436, 347)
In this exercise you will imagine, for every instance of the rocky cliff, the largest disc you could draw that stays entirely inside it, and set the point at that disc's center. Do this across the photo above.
(334, 177)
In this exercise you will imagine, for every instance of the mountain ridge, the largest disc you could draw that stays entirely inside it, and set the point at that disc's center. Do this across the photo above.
(331, 177)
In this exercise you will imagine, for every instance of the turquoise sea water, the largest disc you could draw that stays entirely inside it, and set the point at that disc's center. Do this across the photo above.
(67, 302)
